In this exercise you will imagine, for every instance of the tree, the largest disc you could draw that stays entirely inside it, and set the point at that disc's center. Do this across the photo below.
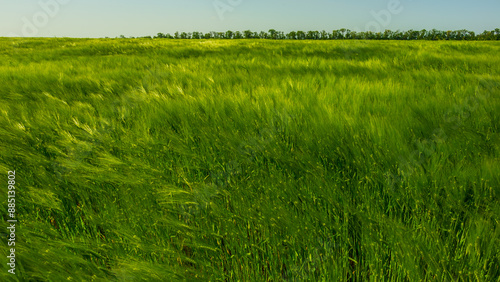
(310, 35)
(412, 34)
(347, 34)
(473, 35)
(335, 34)
(272, 33)
(316, 35)
(343, 32)
(422, 34)
(449, 35)
(490, 35)
(324, 35)
(238, 35)
(436, 34)
(301, 35)
(398, 35)
(248, 34)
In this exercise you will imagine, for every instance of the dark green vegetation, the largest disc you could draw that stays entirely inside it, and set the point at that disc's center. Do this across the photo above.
(342, 34)
(252, 160)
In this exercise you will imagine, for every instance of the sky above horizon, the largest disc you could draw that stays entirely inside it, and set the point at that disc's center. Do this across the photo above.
(111, 18)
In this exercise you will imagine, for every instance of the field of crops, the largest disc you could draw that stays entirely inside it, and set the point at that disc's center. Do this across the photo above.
(251, 160)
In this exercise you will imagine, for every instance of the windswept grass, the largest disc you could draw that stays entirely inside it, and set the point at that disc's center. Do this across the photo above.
(251, 160)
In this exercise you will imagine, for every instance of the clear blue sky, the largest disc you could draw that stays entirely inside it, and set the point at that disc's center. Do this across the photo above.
(93, 18)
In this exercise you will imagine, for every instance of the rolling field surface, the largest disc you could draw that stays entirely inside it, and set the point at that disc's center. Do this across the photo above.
(251, 160)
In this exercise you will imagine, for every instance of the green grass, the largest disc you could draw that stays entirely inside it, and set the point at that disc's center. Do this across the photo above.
(250, 160)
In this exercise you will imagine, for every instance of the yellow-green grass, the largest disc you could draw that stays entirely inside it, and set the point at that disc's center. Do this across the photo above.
(252, 160)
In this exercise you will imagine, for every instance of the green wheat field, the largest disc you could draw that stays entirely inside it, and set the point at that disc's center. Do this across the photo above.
(251, 160)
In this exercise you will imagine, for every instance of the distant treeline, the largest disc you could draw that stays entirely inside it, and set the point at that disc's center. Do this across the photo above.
(338, 34)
